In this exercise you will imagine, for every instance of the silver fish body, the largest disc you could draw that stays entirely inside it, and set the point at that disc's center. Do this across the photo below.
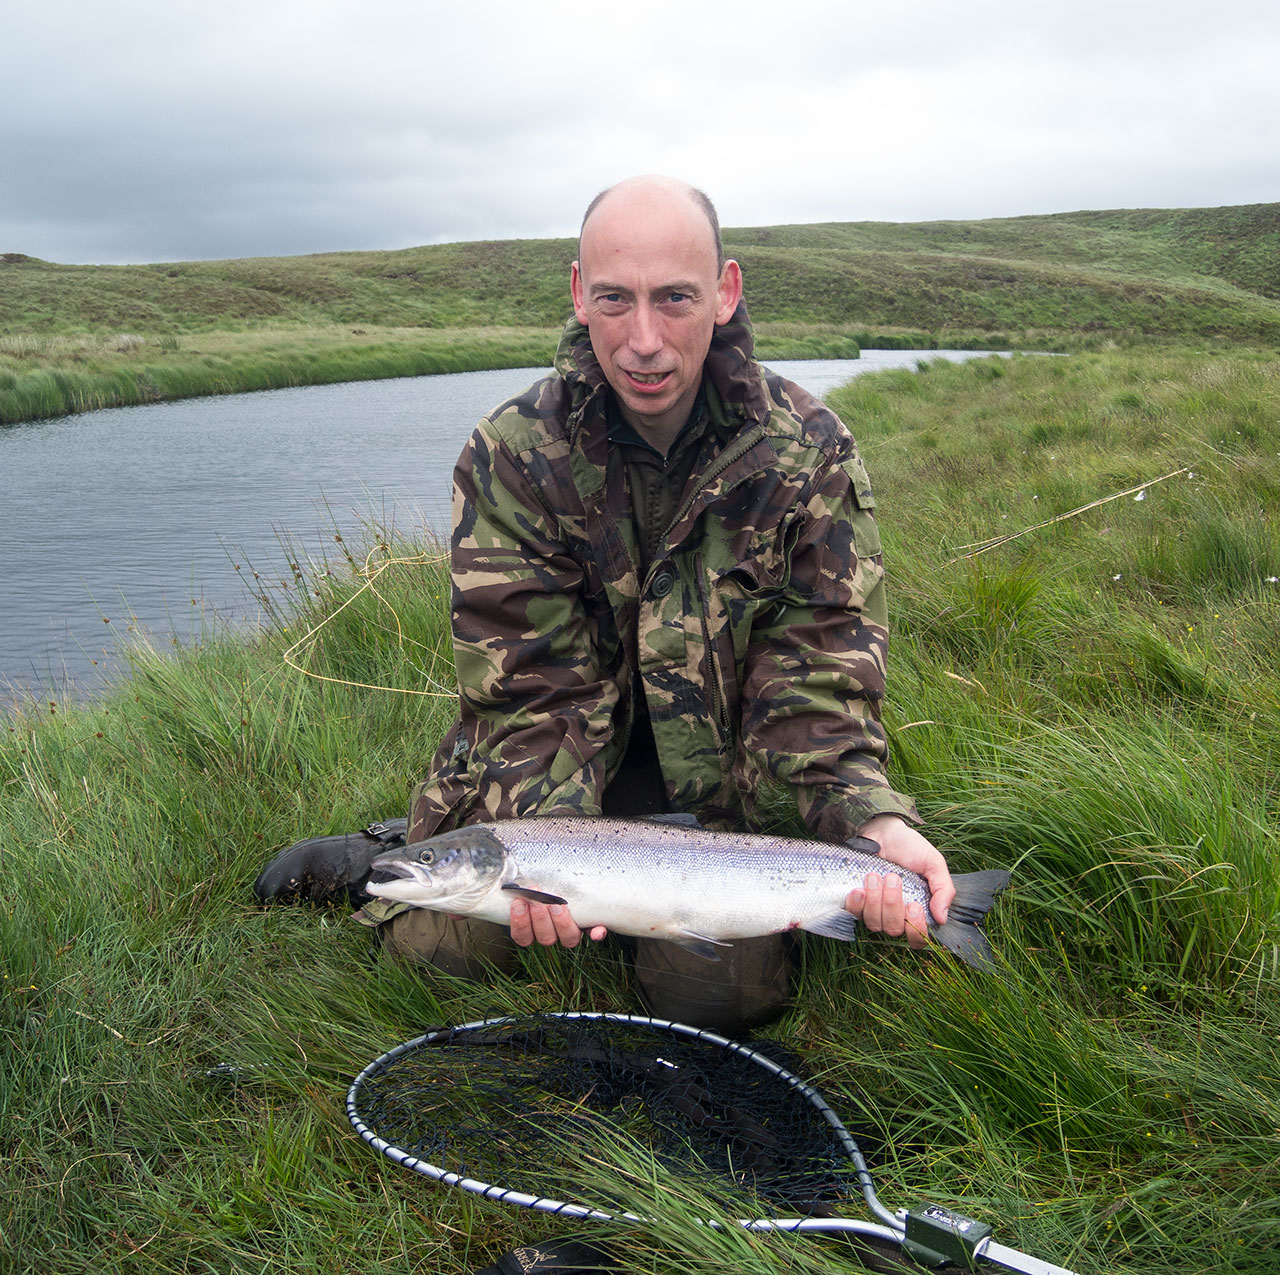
(667, 879)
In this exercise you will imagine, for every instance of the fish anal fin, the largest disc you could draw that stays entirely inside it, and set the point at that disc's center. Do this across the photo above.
(534, 896)
(698, 944)
(840, 925)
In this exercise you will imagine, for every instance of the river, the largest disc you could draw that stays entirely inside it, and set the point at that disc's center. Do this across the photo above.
(150, 519)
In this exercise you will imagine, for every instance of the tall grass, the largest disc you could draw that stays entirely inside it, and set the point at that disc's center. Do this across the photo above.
(1093, 703)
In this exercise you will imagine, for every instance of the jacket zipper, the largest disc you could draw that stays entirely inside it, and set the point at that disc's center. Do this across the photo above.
(729, 456)
(715, 688)
(741, 446)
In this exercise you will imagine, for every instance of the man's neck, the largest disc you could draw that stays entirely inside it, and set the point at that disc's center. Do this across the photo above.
(660, 432)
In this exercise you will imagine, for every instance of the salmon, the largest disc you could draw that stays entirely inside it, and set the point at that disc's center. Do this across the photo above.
(666, 877)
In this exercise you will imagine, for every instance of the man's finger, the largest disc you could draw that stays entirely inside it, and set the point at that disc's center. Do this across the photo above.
(521, 928)
(892, 910)
(566, 931)
(873, 902)
(544, 926)
(943, 892)
(917, 926)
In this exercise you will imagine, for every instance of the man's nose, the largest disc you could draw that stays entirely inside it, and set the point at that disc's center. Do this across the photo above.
(645, 337)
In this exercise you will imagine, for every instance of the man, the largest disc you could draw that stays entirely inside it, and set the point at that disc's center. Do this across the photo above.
(668, 595)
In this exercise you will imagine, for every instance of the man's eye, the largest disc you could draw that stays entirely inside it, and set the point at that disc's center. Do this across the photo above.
(677, 298)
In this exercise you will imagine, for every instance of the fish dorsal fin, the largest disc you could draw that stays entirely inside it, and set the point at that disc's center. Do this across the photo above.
(675, 819)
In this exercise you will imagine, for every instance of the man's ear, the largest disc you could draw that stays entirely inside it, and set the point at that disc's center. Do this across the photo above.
(729, 292)
(577, 293)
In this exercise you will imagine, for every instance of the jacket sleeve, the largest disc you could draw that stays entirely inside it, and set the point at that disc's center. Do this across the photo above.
(536, 709)
(814, 675)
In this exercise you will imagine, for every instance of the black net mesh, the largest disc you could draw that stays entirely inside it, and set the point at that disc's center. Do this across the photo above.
(538, 1105)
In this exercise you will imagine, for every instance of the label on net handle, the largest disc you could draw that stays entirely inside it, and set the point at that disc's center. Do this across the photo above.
(937, 1236)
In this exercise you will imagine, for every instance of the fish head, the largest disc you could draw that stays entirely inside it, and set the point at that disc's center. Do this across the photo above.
(448, 873)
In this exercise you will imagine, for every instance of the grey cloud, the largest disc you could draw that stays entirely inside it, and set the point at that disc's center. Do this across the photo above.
(146, 131)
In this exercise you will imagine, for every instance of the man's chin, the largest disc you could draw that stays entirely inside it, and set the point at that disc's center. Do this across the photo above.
(648, 404)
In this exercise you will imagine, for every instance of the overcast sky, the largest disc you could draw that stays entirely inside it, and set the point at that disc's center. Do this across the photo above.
(164, 130)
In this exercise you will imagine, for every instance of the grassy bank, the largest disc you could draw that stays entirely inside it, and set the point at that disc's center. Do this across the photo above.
(1093, 702)
(51, 375)
(54, 375)
(73, 337)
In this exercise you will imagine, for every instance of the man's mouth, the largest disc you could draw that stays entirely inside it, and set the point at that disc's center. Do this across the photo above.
(648, 378)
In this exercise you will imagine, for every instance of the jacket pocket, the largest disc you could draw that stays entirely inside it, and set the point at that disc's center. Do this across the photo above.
(866, 531)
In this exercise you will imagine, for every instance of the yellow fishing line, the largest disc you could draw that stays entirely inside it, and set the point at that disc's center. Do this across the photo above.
(371, 574)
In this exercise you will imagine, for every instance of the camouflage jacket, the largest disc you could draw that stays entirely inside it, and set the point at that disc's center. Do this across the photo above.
(757, 635)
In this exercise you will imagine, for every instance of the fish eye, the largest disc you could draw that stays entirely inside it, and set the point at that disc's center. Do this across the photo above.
(426, 856)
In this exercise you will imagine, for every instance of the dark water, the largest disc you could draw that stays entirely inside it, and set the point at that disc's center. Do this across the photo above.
(135, 520)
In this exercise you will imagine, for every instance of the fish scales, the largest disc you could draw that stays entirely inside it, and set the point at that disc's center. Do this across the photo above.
(663, 878)
(713, 883)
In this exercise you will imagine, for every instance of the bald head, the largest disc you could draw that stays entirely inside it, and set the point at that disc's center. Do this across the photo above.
(651, 287)
(656, 191)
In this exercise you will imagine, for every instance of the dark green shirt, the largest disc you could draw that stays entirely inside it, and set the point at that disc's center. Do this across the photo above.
(656, 482)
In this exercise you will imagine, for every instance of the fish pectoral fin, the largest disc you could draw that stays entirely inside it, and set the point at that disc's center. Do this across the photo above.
(534, 896)
(840, 925)
(698, 944)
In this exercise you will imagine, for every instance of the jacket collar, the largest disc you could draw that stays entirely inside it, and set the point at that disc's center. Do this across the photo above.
(730, 366)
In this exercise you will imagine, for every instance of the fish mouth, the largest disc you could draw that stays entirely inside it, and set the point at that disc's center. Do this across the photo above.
(390, 868)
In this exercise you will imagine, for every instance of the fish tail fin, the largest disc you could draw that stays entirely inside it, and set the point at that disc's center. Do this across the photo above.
(975, 894)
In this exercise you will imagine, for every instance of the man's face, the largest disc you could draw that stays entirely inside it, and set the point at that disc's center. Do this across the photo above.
(647, 289)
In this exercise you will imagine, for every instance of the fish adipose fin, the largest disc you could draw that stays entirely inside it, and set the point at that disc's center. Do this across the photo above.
(840, 925)
(975, 894)
(535, 896)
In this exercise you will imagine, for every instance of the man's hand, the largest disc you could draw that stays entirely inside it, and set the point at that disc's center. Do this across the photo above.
(878, 902)
(547, 924)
